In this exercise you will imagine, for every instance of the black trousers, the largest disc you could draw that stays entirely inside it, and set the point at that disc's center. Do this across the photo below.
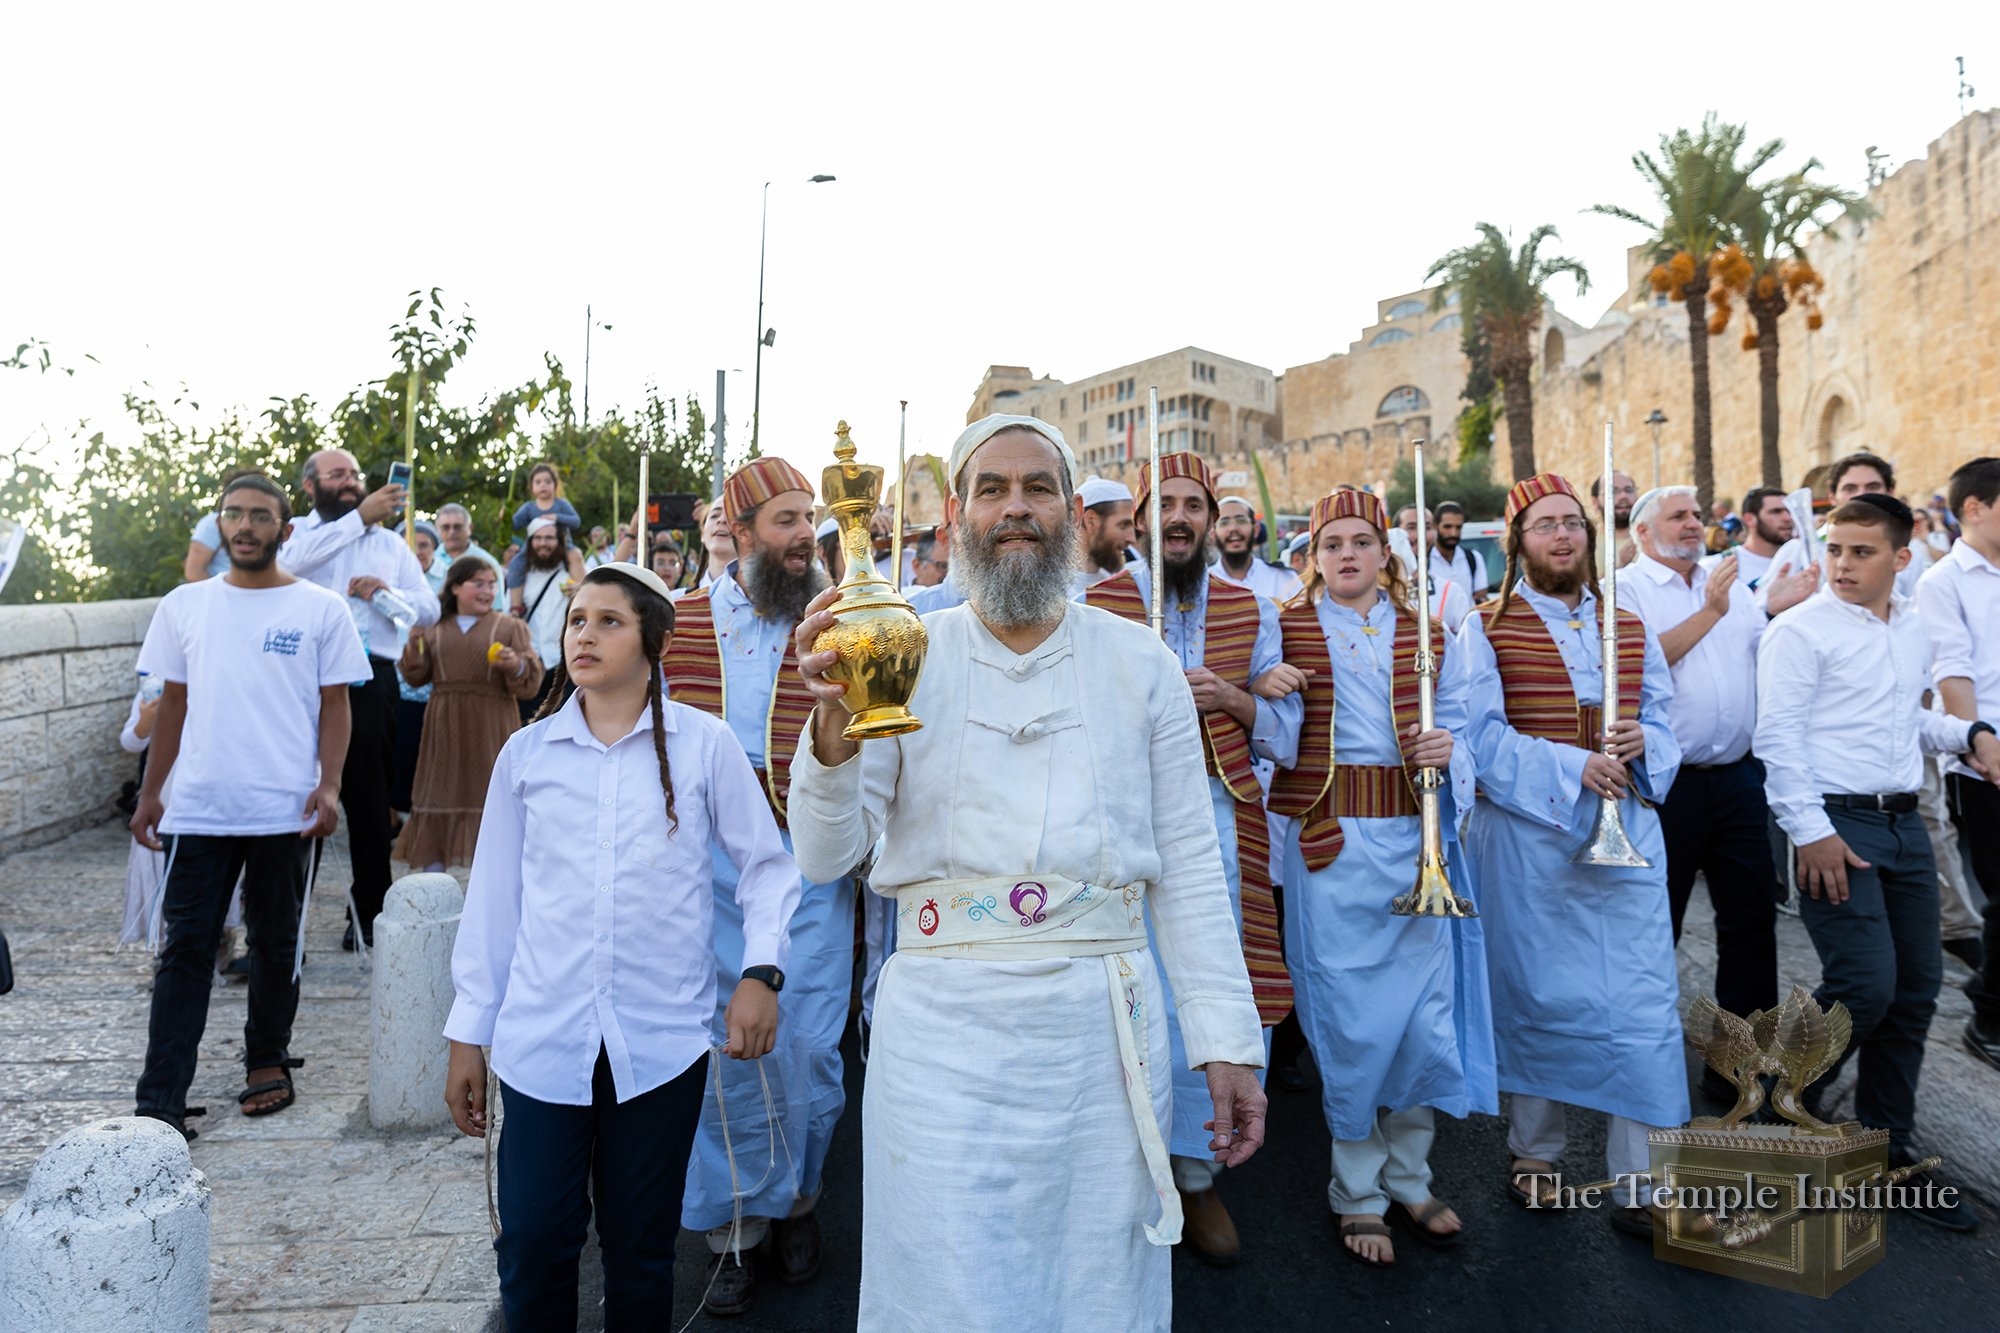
(1715, 822)
(199, 884)
(1880, 955)
(1975, 809)
(633, 1157)
(364, 786)
(409, 743)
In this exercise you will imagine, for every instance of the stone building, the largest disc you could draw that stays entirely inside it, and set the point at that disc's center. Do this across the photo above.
(1907, 363)
(1213, 404)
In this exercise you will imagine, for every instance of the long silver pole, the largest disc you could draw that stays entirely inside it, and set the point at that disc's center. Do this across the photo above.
(642, 540)
(896, 531)
(721, 446)
(1157, 614)
(757, 376)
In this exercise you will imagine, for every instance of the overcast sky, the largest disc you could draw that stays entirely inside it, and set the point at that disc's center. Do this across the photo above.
(239, 197)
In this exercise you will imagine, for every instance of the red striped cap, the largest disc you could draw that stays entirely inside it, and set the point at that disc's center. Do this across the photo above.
(760, 480)
(1538, 487)
(1181, 464)
(1349, 503)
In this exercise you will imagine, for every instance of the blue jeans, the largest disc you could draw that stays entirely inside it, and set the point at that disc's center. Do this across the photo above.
(1880, 955)
(195, 902)
(633, 1158)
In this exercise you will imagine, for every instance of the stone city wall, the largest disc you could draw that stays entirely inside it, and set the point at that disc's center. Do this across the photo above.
(66, 685)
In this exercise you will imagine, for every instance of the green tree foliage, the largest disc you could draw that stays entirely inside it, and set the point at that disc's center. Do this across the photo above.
(123, 531)
(1502, 292)
(1470, 482)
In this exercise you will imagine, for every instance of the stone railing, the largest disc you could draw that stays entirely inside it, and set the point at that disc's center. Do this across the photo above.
(66, 684)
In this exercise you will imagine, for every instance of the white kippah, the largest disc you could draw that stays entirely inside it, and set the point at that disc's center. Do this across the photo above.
(1237, 499)
(1102, 490)
(827, 529)
(1298, 543)
(984, 429)
(542, 524)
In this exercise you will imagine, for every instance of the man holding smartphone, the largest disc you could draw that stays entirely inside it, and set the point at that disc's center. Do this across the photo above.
(343, 547)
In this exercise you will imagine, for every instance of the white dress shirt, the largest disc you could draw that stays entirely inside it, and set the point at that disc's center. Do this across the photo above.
(589, 922)
(1714, 710)
(1840, 708)
(334, 554)
(1959, 596)
(1464, 566)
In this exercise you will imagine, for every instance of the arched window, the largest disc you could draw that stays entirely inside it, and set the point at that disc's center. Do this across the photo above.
(1387, 336)
(1449, 324)
(1404, 309)
(1401, 402)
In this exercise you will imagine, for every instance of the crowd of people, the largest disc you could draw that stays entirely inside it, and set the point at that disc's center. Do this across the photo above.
(1116, 872)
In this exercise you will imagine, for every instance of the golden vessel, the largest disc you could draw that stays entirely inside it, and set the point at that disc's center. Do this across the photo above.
(876, 632)
(1797, 1205)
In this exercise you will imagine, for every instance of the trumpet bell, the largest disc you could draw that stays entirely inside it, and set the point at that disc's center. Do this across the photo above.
(1432, 895)
(1608, 845)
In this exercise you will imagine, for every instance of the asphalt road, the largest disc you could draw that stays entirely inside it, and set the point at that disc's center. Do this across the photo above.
(1514, 1270)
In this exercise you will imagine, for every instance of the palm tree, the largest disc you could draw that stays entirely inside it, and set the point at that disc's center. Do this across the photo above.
(1500, 290)
(1700, 184)
(1767, 268)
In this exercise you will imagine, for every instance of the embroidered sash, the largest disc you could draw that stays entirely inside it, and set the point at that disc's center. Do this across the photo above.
(1535, 685)
(695, 677)
(1312, 792)
(1229, 636)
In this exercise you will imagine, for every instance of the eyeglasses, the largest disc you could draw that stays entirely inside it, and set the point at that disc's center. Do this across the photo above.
(256, 518)
(1548, 527)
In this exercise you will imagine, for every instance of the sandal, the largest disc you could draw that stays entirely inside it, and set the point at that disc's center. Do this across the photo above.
(1417, 1219)
(1544, 1196)
(1375, 1228)
(179, 1122)
(282, 1083)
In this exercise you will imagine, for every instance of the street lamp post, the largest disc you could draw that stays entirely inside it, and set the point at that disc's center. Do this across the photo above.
(765, 337)
(1657, 420)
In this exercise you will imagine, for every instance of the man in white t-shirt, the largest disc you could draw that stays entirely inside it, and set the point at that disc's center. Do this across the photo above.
(254, 725)
(1767, 526)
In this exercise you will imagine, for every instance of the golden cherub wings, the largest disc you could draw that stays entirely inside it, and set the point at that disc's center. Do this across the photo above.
(1718, 1036)
(1803, 1045)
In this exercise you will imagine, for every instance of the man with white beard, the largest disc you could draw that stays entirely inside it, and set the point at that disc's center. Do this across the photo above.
(1056, 792)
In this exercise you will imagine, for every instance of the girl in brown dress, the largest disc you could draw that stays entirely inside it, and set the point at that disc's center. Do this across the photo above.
(478, 664)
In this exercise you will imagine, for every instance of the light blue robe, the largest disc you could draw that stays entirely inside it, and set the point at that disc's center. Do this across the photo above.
(778, 1159)
(1395, 1008)
(1187, 635)
(1585, 991)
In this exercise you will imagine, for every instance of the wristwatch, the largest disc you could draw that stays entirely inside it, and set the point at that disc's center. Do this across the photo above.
(1972, 734)
(770, 976)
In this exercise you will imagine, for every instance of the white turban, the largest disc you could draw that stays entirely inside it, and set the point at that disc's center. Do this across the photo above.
(1102, 490)
(984, 429)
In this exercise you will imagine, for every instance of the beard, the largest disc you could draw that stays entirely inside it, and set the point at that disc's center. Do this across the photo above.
(1693, 550)
(1547, 578)
(1183, 578)
(553, 560)
(1022, 589)
(775, 591)
(1447, 546)
(331, 505)
(257, 562)
(1106, 551)
(1768, 533)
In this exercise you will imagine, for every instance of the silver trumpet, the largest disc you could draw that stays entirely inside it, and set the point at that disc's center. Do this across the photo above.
(1432, 894)
(1608, 845)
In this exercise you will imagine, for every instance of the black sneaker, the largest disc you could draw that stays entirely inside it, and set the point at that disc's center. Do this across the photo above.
(1956, 1215)
(732, 1283)
(1971, 951)
(1982, 1040)
(796, 1240)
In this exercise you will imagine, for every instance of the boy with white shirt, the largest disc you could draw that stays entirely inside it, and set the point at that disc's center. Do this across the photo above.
(1842, 731)
(255, 719)
(1960, 599)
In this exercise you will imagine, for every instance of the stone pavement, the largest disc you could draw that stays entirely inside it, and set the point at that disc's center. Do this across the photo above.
(321, 1223)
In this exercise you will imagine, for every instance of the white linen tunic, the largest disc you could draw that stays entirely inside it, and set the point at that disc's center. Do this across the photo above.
(1004, 1184)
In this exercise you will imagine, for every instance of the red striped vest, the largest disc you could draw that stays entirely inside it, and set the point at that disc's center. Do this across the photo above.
(1535, 685)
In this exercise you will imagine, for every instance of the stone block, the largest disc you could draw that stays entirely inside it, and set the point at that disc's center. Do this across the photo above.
(23, 745)
(111, 624)
(31, 685)
(94, 675)
(13, 805)
(88, 731)
(411, 998)
(29, 630)
(111, 1233)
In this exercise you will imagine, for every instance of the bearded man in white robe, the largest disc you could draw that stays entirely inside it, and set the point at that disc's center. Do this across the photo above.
(1015, 1167)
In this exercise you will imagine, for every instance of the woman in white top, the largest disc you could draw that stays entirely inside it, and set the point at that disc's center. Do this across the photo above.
(585, 957)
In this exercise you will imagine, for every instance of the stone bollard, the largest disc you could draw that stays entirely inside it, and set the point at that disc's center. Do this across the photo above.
(412, 997)
(112, 1233)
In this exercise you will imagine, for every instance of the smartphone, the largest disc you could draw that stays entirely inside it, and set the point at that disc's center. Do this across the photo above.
(399, 475)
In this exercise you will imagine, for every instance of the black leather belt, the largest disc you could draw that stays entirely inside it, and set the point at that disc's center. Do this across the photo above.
(1890, 803)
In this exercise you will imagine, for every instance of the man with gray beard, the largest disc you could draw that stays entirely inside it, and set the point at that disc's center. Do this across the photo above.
(731, 655)
(1054, 798)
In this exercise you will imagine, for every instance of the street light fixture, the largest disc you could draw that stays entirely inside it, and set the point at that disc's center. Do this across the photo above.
(765, 337)
(1657, 420)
